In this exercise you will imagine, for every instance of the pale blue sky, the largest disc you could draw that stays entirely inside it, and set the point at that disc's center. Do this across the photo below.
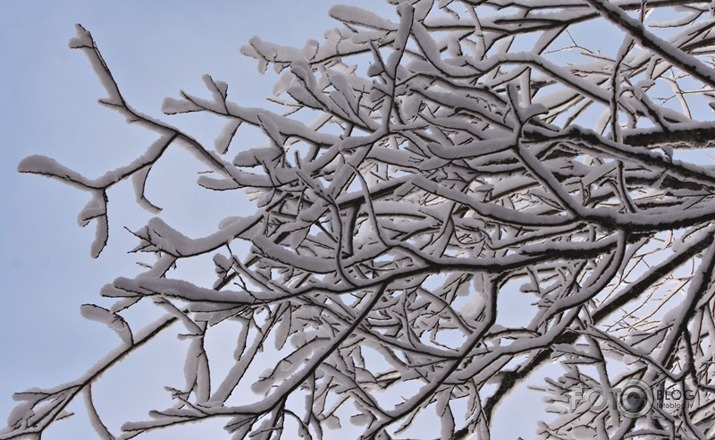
(48, 106)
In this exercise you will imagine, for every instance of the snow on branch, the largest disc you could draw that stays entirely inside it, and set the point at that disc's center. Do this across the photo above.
(461, 156)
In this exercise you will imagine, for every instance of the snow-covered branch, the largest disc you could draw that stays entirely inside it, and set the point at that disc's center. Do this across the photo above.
(424, 169)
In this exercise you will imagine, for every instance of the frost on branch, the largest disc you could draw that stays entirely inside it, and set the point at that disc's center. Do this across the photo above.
(425, 168)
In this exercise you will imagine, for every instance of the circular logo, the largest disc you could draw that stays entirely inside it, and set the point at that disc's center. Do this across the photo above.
(634, 399)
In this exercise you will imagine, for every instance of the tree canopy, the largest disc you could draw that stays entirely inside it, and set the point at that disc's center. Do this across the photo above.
(422, 171)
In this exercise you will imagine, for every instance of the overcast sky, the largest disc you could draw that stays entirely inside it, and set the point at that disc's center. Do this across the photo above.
(48, 105)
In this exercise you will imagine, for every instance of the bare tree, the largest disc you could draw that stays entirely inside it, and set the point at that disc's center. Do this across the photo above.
(422, 169)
